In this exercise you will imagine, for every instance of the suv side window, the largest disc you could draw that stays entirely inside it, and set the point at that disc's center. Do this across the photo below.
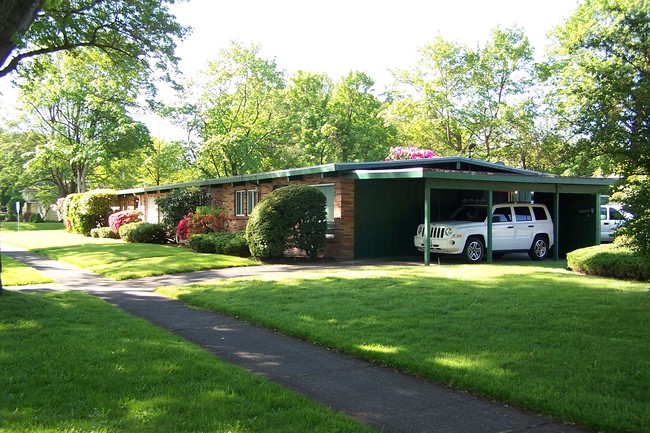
(522, 213)
(616, 215)
(502, 215)
(540, 214)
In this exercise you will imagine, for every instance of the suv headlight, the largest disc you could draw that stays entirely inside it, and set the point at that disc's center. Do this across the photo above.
(448, 231)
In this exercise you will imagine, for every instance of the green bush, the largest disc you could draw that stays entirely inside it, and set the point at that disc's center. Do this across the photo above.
(202, 243)
(103, 232)
(231, 244)
(84, 212)
(149, 233)
(35, 218)
(126, 230)
(175, 205)
(610, 260)
(289, 217)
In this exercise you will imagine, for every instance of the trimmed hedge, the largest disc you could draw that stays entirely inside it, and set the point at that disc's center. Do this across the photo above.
(231, 244)
(290, 217)
(126, 231)
(86, 211)
(610, 260)
(103, 232)
(175, 205)
(148, 233)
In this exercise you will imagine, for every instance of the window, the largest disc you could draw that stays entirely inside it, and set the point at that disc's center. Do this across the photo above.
(240, 197)
(522, 213)
(540, 213)
(501, 215)
(245, 201)
(251, 200)
(328, 192)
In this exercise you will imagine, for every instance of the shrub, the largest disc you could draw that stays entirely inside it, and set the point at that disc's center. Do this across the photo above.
(232, 244)
(27, 216)
(202, 243)
(126, 230)
(175, 205)
(103, 232)
(205, 220)
(35, 218)
(610, 260)
(148, 233)
(83, 212)
(289, 217)
(118, 219)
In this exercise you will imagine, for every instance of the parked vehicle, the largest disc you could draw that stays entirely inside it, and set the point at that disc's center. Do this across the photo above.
(611, 216)
(515, 227)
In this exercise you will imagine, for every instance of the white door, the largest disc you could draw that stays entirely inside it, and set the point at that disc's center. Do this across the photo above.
(151, 210)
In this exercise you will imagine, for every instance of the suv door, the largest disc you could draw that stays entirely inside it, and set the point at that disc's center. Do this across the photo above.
(524, 227)
(503, 228)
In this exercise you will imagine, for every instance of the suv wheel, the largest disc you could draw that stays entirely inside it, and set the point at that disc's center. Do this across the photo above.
(474, 250)
(539, 249)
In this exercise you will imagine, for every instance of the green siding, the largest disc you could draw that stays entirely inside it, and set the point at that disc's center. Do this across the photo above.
(387, 214)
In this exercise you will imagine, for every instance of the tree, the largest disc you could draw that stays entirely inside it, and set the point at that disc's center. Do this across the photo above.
(165, 163)
(356, 128)
(456, 99)
(602, 76)
(236, 111)
(126, 31)
(80, 105)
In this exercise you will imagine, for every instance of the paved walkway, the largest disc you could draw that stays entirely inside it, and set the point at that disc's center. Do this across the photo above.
(380, 397)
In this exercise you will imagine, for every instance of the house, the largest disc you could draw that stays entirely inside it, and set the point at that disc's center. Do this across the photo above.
(374, 208)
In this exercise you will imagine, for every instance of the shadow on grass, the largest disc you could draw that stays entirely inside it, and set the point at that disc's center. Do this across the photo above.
(545, 339)
(73, 363)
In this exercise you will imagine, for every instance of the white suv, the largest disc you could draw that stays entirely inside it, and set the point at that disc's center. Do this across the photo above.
(515, 227)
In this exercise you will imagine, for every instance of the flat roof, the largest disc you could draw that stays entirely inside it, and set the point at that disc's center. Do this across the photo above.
(461, 171)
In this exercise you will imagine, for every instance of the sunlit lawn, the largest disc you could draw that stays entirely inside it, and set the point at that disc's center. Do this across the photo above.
(16, 274)
(536, 336)
(116, 259)
(72, 363)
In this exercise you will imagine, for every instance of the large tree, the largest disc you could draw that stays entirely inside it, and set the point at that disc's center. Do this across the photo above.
(80, 104)
(602, 75)
(126, 31)
(457, 99)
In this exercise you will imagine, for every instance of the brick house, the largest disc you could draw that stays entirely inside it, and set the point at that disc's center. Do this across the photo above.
(374, 208)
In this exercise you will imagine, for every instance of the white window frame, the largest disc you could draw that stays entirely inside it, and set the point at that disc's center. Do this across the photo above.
(240, 202)
(251, 200)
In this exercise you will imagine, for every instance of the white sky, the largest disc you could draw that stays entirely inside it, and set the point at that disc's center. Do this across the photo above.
(339, 36)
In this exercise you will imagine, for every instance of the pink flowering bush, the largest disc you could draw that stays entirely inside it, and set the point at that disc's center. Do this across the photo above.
(398, 152)
(205, 220)
(118, 219)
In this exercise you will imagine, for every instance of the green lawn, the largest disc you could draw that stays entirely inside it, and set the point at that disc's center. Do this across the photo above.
(532, 335)
(72, 363)
(16, 274)
(116, 259)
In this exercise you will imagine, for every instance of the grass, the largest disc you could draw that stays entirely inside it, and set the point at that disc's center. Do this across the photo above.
(16, 274)
(535, 336)
(65, 370)
(10, 226)
(116, 259)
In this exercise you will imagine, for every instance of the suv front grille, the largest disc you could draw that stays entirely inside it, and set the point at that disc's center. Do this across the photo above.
(437, 232)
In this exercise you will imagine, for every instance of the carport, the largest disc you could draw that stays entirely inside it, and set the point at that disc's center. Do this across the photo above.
(390, 203)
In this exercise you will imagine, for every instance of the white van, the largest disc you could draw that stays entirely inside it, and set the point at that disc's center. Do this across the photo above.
(611, 216)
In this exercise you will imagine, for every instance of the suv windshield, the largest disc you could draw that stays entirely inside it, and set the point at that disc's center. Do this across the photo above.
(469, 213)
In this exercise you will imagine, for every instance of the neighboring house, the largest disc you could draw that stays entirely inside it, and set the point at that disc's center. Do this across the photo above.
(33, 206)
(374, 208)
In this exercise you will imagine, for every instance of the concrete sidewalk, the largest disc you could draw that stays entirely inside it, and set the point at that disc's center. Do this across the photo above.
(378, 396)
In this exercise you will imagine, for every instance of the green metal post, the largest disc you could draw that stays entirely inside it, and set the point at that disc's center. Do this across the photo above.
(489, 226)
(556, 225)
(598, 227)
(427, 223)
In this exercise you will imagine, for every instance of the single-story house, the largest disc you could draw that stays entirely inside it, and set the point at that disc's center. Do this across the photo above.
(374, 208)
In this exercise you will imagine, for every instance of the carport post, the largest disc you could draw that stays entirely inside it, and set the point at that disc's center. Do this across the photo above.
(427, 223)
(489, 226)
(556, 225)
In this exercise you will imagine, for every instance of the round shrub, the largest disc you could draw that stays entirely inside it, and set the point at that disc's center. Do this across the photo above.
(126, 230)
(118, 219)
(149, 233)
(103, 232)
(231, 244)
(289, 217)
(610, 260)
(35, 218)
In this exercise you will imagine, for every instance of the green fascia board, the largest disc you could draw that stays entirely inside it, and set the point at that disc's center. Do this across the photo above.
(491, 181)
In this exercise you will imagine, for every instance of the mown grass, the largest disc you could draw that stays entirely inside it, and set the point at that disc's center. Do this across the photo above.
(116, 259)
(11, 226)
(567, 345)
(65, 370)
(17, 274)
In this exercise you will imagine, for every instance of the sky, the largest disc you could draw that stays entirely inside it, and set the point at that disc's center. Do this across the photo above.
(340, 36)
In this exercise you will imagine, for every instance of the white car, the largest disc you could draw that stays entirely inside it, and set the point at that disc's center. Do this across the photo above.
(611, 216)
(515, 227)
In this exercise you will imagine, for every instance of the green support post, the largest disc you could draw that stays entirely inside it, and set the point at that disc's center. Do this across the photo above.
(489, 226)
(427, 223)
